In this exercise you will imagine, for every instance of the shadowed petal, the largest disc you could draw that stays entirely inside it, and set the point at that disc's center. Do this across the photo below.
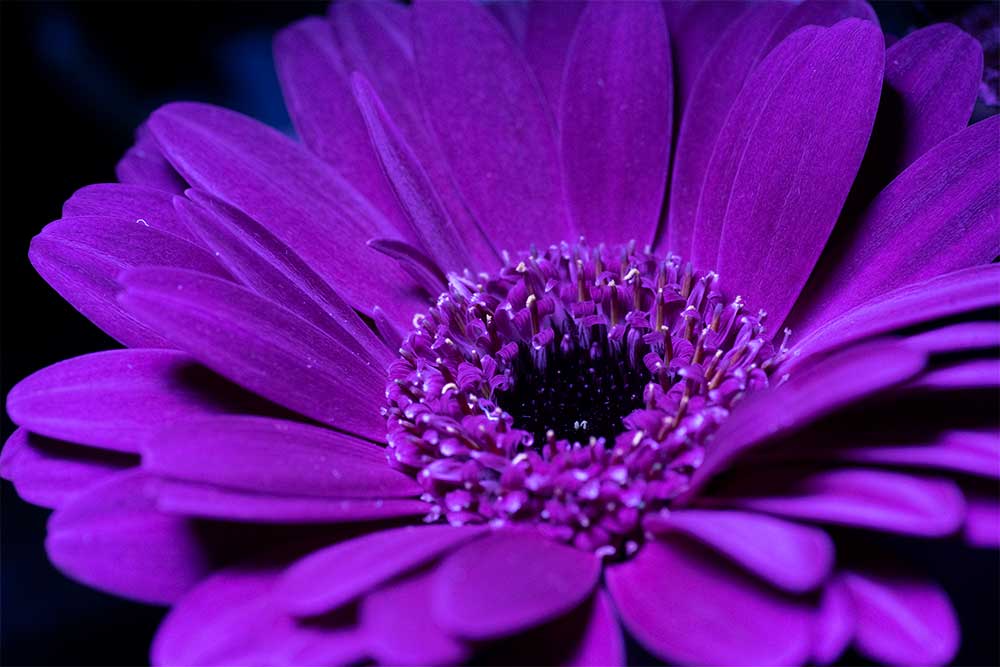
(117, 399)
(982, 521)
(338, 574)
(902, 619)
(688, 606)
(615, 121)
(259, 345)
(481, 99)
(145, 165)
(81, 258)
(602, 644)
(550, 27)
(791, 556)
(978, 374)
(835, 622)
(821, 13)
(50, 472)
(264, 455)
(111, 537)
(508, 582)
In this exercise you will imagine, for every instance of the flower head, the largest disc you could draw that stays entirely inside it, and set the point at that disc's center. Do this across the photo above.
(563, 321)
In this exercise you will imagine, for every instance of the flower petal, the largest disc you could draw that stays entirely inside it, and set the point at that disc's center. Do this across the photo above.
(117, 399)
(902, 619)
(688, 606)
(840, 380)
(145, 165)
(481, 99)
(340, 573)
(400, 629)
(509, 582)
(111, 537)
(212, 501)
(550, 27)
(615, 121)
(231, 618)
(798, 166)
(977, 374)
(835, 622)
(294, 195)
(602, 644)
(129, 203)
(982, 522)
(265, 456)
(263, 263)
(791, 556)
(259, 345)
(970, 452)
(940, 215)
(81, 257)
(50, 472)
(875, 499)
(962, 337)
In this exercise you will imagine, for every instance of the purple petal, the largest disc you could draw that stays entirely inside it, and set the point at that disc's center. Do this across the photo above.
(231, 618)
(686, 605)
(129, 203)
(338, 574)
(963, 337)
(902, 619)
(414, 192)
(294, 195)
(117, 399)
(400, 629)
(513, 15)
(481, 99)
(211, 501)
(145, 165)
(717, 86)
(111, 537)
(550, 28)
(874, 499)
(602, 644)
(840, 380)
(967, 290)
(259, 345)
(266, 456)
(791, 556)
(263, 263)
(835, 622)
(51, 472)
(821, 13)
(615, 121)
(982, 521)
(730, 145)
(315, 81)
(970, 452)
(81, 257)
(978, 374)
(798, 166)
(940, 215)
(509, 582)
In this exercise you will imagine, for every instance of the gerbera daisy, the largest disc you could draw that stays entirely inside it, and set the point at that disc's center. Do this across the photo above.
(562, 322)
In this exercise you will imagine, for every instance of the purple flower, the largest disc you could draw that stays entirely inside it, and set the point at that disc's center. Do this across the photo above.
(664, 313)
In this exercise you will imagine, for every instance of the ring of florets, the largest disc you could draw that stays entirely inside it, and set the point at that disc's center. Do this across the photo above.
(575, 389)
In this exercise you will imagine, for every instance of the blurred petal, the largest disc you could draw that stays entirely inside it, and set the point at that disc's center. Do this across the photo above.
(602, 644)
(835, 622)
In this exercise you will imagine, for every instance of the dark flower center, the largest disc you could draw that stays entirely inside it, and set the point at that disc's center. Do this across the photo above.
(576, 389)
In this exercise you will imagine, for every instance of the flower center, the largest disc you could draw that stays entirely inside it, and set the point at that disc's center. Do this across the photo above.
(576, 389)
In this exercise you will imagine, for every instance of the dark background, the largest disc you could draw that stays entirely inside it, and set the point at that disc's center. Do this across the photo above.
(75, 80)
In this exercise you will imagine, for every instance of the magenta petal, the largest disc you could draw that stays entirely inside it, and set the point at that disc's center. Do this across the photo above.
(263, 455)
(968, 290)
(340, 573)
(874, 499)
(259, 260)
(111, 537)
(231, 618)
(688, 606)
(509, 582)
(791, 556)
(615, 121)
(81, 257)
(117, 399)
(400, 629)
(260, 345)
(939, 215)
(982, 521)
(50, 472)
(550, 27)
(835, 622)
(602, 644)
(482, 99)
(290, 192)
(129, 203)
(212, 501)
(835, 382)
(902, 620)
(799, 164)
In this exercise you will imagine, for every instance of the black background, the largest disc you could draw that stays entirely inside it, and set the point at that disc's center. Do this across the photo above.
(75, 80)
